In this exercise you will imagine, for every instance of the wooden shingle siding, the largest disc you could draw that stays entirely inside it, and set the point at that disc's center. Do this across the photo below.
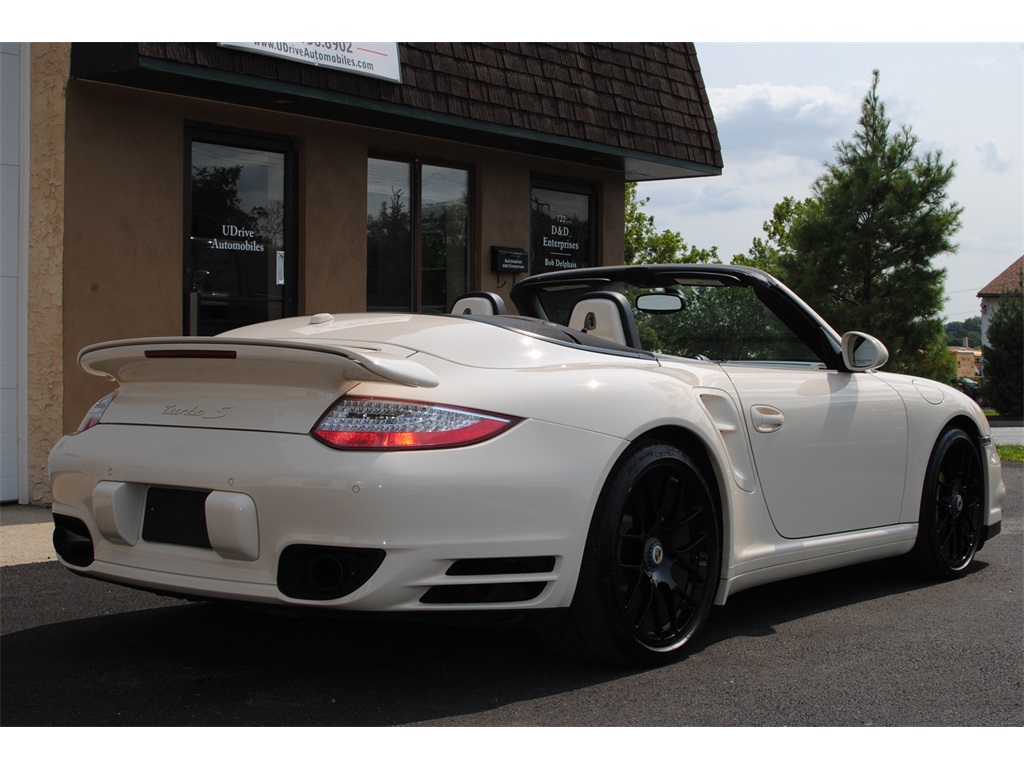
(640, 97)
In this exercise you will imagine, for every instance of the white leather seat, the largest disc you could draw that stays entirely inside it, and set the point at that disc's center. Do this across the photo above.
(606, 315)
(479, 303)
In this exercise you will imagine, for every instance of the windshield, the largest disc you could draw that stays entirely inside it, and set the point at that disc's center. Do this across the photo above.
(708, 317)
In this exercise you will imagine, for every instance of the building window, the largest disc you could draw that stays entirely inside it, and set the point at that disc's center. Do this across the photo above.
(417, 235)
(561, 226)
(240, 260)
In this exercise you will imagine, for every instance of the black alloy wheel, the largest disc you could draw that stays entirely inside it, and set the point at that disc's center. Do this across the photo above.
(662, 555)
(952, 505)
(651, 568)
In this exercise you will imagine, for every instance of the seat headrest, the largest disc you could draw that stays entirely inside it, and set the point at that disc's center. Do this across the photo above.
(608, 316)
(479, 303)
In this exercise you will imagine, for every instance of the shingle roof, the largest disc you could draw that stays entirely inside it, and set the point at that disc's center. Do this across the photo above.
(641, 107)
(1008, 281)
(649, 98)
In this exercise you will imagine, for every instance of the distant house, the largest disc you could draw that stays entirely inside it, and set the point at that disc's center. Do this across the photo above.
(1009, 281)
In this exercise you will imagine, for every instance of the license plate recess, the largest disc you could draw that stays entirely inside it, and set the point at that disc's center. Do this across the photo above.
(176, 516)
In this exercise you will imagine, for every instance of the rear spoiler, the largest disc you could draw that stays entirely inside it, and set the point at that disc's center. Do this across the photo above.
(201, 359)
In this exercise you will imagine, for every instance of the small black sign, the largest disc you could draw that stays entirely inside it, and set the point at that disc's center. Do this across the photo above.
(509, 259)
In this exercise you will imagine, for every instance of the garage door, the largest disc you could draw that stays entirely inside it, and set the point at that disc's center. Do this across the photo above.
(10, 173)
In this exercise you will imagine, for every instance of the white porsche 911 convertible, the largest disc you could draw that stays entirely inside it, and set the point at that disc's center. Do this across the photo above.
(636, 445)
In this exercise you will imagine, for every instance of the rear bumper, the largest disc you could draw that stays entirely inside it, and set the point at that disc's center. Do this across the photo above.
(496, 526)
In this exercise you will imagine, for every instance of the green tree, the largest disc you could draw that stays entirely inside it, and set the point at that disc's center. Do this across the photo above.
(969, 329)
(765, 254)
(1003, 385)
(861, 249)
(646, 245)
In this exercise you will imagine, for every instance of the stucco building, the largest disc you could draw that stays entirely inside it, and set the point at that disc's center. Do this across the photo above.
(187, 188)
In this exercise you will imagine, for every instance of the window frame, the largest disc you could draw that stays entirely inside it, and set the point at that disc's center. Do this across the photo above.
(265, 142)
(416, 164)
(591, 191)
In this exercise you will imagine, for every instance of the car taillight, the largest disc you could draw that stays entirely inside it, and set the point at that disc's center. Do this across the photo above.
(358, 423)
(95, 414)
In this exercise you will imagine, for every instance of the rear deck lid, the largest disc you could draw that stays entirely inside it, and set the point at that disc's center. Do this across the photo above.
(232, 383)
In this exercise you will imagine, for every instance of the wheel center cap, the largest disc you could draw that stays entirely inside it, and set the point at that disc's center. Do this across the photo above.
(958, 502)
(654, 553)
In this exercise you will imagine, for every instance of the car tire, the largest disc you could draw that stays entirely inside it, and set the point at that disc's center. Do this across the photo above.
(651, 566)
(952, 503)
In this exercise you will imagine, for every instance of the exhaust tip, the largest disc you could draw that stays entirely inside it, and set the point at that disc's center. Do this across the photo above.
(312, 572)
(326, 573)
(72, 541)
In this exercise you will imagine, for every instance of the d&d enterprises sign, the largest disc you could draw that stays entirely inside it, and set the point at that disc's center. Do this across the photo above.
(560, 229)
(369, 59)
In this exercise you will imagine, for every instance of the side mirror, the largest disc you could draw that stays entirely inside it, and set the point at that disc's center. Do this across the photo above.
(862, 352)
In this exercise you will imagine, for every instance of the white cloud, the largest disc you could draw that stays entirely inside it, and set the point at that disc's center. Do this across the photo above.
(799, 100)
(797, 120)
(992, 158)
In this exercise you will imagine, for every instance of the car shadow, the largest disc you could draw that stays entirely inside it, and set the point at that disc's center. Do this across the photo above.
(760, 611)
(132, 659)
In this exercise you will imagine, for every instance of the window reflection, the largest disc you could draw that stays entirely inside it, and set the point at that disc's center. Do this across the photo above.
(235, 268)
(560, 229)
(417, 236)
(445, 219)
(388, 236)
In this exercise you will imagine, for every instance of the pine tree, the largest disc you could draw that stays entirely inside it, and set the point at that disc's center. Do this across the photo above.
(1004, 358)
(861, 249)
(766, 254)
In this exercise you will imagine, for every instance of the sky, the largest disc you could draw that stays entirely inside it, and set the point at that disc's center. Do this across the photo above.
(781, 108)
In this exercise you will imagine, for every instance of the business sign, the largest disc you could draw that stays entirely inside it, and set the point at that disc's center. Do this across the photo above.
(504, 259)
(369, 59)
(560, 230)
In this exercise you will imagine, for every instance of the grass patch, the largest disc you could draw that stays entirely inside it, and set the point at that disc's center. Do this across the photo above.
(1011, 452)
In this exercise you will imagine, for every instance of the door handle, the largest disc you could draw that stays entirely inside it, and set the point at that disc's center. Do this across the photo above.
(766, 419)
